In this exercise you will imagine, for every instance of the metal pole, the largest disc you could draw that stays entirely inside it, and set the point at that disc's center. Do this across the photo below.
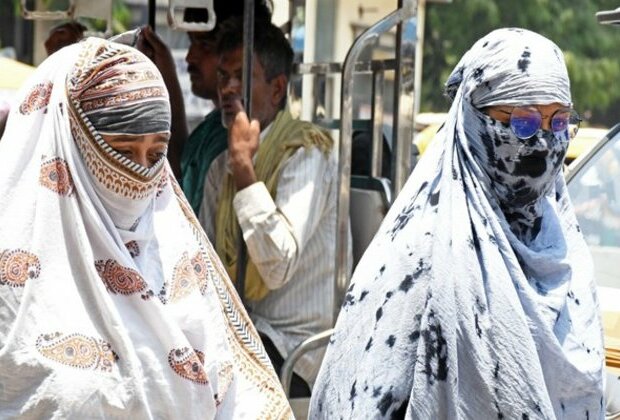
(403, 103)
(377, 123)
(248, 56)
(248, 53)
(344, 152)
(152, 11)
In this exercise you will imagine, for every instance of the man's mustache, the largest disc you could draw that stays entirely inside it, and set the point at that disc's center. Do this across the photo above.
(232, 98)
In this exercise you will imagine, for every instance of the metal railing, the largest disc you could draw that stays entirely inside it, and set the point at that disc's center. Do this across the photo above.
(403, 126)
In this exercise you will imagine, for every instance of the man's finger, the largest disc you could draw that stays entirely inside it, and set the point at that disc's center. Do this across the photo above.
(237, 106)
(152, 37)
(255, 126)
(242, 118)
(143, 45)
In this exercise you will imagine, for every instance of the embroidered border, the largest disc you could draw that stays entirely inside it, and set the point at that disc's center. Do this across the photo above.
(92, 58)
(249, 355)
(119, 99)
(224, 380)
(109, 172)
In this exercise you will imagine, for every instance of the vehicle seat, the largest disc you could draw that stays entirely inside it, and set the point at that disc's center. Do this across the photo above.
(370, 201)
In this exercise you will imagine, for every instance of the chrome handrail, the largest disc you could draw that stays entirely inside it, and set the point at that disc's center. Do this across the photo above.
(336, 67)
(316, 341)
(406, 11)
(248, 56)
(403, 98)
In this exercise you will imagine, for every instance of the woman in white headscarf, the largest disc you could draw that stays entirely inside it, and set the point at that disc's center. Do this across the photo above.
(476, 298)
(113, 303)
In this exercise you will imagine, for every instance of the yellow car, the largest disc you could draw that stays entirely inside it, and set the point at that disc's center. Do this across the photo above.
(586, 139)
(594, 185)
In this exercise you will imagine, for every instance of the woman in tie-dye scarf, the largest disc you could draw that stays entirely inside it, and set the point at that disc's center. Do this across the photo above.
(476, 299)
(113, 303)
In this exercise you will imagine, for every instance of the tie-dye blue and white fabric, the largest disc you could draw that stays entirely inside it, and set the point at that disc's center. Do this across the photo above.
(476, 299)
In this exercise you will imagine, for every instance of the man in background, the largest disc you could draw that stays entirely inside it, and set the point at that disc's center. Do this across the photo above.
(64, 34)
(191, 155)
(277, 184)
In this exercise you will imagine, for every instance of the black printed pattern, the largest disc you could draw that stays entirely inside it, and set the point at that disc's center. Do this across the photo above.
(457, 307)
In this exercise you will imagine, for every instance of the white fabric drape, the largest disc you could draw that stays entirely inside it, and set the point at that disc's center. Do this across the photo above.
(466, 305)
(98, 321)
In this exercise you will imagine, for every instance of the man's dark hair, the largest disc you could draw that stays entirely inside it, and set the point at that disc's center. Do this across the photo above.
(225, 9)
(270, 45)
(72, 25)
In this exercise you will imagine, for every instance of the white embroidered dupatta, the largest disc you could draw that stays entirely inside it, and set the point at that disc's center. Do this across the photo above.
(102, 322)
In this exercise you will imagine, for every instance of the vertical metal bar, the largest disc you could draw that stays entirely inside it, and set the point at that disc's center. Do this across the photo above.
(403, 104)
(308, 104)
(248, 56)
(419, 42)
(344, 151)
(248, 53)
(377, 123)
(318, 97)
(151, 14)
(291, 16)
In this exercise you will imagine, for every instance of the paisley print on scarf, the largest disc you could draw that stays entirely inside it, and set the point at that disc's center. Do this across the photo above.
(188, 364)
(189, 275)
(133, 248)
(17, 266)
(56, 177)
(200, 271)
(77, 350)
(119, 279)
(37, 99)
(113, 193)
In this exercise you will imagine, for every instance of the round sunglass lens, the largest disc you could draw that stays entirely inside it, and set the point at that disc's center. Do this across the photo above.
(565, 123)
(525, 122)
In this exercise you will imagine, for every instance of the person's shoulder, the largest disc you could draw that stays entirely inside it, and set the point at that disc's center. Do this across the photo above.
(210, 126)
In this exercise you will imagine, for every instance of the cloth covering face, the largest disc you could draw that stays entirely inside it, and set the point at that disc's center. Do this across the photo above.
(101, 321)
(116, 94)
(110, 90)
(467, 305)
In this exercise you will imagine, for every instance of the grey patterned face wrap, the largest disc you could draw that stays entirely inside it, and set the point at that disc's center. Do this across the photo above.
(476, 298)
(520, 171)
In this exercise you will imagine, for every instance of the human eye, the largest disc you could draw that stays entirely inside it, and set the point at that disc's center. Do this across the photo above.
(221, 76)
(156, 155)
(125, 152)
